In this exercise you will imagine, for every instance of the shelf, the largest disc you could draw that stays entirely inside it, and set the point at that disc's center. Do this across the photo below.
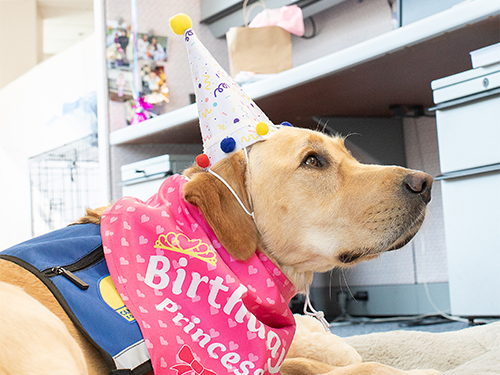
(360, 81)
(179, 126)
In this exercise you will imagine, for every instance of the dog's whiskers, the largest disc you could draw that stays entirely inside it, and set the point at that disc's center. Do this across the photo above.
(330, 285)
(347, 284)
(319, 123)
(325, 126)
(370, 218)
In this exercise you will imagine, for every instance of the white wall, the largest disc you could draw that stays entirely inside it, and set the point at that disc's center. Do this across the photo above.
(61, 31)
(32, 122)
(429, 246)
(19, 38)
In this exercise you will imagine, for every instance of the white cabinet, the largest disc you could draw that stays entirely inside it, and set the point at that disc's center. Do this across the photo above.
(143, 179)
(471, 208)
(468, 118)
(468, 125)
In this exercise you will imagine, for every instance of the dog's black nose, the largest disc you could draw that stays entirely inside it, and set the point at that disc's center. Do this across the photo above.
(419, 183)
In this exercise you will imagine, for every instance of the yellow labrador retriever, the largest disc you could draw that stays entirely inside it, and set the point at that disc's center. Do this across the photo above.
(316, 208)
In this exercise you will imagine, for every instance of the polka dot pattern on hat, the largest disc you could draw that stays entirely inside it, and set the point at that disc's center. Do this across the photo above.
(228, 145)
(262, 128)
(203, 161)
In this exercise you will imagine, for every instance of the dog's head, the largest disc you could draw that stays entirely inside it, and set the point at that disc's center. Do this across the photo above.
(316, 207)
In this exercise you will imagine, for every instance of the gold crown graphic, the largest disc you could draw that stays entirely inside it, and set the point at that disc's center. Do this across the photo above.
(181, 243)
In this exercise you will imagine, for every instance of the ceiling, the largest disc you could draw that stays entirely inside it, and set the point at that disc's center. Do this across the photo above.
(65, 22)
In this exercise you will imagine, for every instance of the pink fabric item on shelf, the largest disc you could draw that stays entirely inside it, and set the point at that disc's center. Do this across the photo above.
(198, 308)
(289, 18)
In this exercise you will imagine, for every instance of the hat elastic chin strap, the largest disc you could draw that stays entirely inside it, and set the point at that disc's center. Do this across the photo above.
(319, 315)
(252, 214)
(234, 193)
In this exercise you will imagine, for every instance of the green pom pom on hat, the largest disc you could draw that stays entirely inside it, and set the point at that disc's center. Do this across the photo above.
(180, 23)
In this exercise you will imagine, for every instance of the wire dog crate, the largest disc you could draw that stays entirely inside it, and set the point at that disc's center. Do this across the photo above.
(64, 182)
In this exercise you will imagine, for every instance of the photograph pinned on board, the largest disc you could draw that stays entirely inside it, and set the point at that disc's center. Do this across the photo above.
(154, 90)
(120, 85)
(152, 47)
(151, 57)
(119, 58)
(119, 48)
(154, 84)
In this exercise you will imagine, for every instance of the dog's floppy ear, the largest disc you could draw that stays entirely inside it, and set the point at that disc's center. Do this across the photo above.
(233, 227)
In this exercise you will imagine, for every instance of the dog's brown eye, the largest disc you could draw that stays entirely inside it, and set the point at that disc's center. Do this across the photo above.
(312, 161)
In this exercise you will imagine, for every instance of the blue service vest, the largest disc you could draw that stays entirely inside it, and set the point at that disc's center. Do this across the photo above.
(71, 263)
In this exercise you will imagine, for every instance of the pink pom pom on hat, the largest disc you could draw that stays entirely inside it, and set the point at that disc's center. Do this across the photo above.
(229, 119)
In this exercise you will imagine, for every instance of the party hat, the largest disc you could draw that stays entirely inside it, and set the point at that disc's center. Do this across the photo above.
(229, 119)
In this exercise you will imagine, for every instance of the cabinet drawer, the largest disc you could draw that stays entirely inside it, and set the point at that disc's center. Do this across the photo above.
(469, 134)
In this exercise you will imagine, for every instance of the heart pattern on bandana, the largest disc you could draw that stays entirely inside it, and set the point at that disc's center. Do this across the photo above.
(180, 300)
(163, 363)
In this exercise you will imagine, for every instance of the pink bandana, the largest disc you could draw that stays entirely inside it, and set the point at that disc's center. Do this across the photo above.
(198, 308)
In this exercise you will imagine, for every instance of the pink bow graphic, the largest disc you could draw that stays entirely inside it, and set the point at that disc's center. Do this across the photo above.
(186, 355)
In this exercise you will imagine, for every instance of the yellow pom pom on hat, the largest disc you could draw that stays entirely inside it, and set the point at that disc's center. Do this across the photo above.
(262, 128)
(180, 23)
(229, 119)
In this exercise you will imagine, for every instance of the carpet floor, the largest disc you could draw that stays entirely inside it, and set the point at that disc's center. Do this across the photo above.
(354, 326)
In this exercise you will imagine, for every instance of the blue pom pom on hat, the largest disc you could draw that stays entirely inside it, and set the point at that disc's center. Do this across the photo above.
(228, 145)
(229, 119)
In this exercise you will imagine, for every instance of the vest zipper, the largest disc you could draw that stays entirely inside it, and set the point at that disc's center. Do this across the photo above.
(67, 270)
(71, 277)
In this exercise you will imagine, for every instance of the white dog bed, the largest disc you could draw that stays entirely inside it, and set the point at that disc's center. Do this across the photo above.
(471, 351)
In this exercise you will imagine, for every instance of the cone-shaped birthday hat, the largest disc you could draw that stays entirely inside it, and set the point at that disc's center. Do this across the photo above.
(229, 119)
